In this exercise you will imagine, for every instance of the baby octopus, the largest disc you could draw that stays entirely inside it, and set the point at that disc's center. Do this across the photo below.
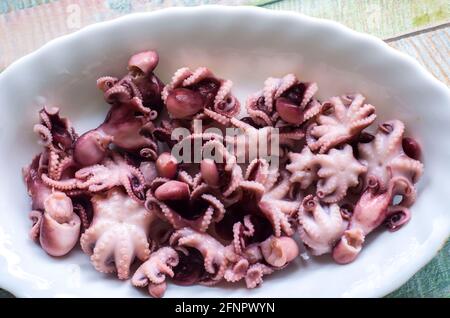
(118, 233)
(285, 99)
(252, 261)
(249, 142)
(191, 92)
(203, 207)
(135, 101)
(393, 170)
(340, 120)
(335, 172)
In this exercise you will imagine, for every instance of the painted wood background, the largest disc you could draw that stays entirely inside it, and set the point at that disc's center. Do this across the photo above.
(420, 28)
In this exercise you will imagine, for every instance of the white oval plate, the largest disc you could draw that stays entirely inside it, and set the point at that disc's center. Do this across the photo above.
(245, 45)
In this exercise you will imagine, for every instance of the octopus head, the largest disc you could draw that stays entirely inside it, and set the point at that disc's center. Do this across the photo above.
(166, 165)
(279, 251)
(288, 104)
(91, 148)
(59, 226)
(184, 103)
(143, 62)
(176, 195)
(349, 246)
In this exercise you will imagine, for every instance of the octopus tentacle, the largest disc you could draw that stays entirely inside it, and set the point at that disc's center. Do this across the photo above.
(62, 185)
(114, 171)
(198, 75)
(212, 251)
(153, 272)
(82, 214)
(44, 133)
(255, 273)
(177, 80)
(182, 207)
(237, 271)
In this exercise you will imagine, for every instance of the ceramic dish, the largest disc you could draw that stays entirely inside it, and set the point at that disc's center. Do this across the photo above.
(245, 45)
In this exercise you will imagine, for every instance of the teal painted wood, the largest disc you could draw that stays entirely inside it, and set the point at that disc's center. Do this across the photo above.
(432, 50)
(432, 281)
(13, 5)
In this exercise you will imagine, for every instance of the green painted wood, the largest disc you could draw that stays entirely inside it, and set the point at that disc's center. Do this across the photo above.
(432, 281)
(382, 18)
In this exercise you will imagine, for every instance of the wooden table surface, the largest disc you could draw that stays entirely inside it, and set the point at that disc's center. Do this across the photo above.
(420, 28)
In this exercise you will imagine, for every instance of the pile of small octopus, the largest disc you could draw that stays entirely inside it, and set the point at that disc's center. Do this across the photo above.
(137, 212)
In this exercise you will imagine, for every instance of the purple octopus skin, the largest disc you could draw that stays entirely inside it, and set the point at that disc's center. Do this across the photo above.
(56, 223)
(140, 88)
(190, 92)
(166, 165)
(284, 99)
(37, 189)
(56, 132)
